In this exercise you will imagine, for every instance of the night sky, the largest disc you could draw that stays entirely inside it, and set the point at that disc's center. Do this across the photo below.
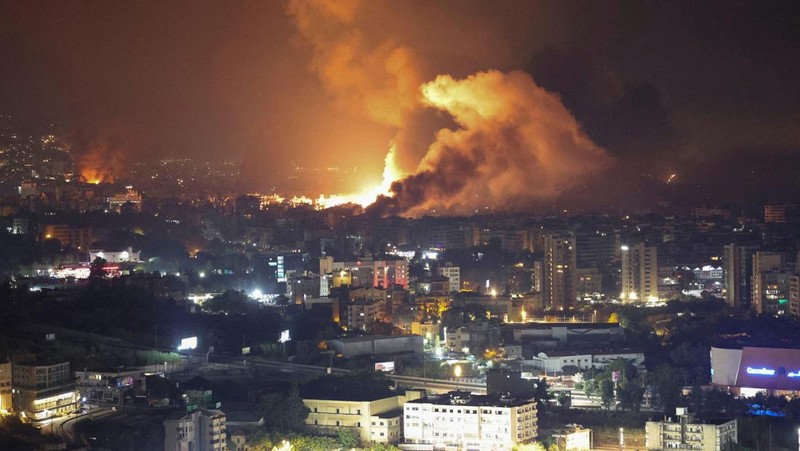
(707, 90)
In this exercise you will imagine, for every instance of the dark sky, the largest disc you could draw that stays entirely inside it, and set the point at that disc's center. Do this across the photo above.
(708, 90)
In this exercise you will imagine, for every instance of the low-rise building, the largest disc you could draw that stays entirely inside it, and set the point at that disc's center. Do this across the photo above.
(377, 344)
(43, 391)
(5, 388)
(554, 362)
(465, 421)
(378, 420)
(685, 432)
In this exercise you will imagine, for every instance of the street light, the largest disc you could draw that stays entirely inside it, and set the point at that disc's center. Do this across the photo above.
(457, 374)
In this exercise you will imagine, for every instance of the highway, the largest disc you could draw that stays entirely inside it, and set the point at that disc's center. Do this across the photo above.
(434, 385)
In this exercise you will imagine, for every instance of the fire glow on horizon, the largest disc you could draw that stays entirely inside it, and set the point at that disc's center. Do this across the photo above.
(513, 141)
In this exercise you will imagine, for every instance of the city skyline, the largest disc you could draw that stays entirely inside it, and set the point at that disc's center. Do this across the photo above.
(704, 92)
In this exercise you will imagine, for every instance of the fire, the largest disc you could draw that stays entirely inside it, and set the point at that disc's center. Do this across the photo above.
(391, 173)
(93, 176)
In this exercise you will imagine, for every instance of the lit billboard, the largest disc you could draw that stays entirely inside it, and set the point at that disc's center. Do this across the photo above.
(767, 368)
(188, 343)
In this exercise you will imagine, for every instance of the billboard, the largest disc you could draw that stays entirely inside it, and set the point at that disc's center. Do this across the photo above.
(187, 343)
(386, 367)
(765, 368)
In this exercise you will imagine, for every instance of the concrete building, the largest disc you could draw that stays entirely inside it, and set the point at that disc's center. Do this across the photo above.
(378, 420)
(76, 237)
(459, 420)
(201, 430)
(554, 362)
(453, 273)
(768, 282)
(738, 274)
(639, 273)
(370, 273)
(560, 277)
(125, 256)
(684, 432)
(573, 437)
(43, 391)
(5, 388)
(377, 344)
(130, 198)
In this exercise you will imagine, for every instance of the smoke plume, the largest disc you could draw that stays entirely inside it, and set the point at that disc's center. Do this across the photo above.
(513, 142)
(376, 79)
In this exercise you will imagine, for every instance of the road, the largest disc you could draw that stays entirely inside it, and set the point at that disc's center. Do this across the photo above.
(434, 385)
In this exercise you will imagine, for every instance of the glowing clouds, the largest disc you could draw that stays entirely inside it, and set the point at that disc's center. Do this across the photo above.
(378, 80)
(516, 143)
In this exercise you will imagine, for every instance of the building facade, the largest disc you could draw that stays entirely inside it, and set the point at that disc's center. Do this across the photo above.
(464, 421)
(201, 430)
(560, 276)
(378, 421)
(43, 391)
(684, 432)
(639, 273)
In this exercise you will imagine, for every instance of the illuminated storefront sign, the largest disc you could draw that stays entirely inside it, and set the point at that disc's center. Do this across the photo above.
(793, 374)
(760, 371)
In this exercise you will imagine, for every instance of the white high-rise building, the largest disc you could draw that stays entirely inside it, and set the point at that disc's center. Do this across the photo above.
(639, 273)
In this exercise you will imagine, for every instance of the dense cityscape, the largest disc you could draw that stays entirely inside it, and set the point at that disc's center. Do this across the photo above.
(551, 249)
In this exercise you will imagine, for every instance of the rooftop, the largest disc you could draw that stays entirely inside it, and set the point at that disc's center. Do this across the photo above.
(463, 398)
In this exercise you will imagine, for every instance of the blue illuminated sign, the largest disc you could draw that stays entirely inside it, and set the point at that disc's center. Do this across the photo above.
(762, 371)
(793, 374)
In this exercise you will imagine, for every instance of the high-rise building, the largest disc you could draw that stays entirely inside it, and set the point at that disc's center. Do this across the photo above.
(560, 281)
(769, 283)
(738, 274)
(639, 273)
(453, 273)
(778, 213)
(794, 295)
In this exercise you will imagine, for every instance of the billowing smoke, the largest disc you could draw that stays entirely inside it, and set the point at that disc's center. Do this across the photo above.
(513, 142)
(100, 158)
(376, 79)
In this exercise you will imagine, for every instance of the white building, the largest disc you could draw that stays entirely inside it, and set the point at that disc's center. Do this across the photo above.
(465, 421)
(125, 256)
(639, 273)
(454, 274)
(555, 362)
(686, 433)
(378, 420)
(130, 197)
(201, 430)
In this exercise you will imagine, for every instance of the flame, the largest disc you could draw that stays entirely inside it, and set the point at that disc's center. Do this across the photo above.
(368, 196)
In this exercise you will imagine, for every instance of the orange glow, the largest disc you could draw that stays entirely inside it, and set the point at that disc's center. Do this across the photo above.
(391, 173)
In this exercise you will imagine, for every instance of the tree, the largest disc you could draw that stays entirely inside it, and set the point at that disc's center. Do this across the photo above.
(348, 439)
(607, 393)
(630, 396)
(283, 412)
(542, 394)
(97, 269)
(668, 384)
